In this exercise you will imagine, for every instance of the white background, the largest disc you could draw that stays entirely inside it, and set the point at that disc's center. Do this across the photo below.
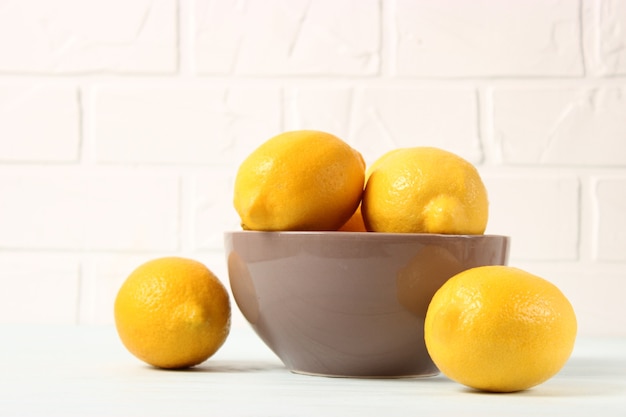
(122, 124)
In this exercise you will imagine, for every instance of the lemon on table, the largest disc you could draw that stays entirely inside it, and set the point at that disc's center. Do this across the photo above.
(172, 312)
(498, 328)
(424, 190)
(299, 180)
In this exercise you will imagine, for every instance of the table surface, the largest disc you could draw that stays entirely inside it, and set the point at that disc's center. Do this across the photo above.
(85, 371)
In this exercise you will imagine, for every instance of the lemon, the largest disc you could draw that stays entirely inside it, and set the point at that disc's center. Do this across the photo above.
(424, 190)
(299, 180)
(172, 313)
(354, 223)
(498, 328)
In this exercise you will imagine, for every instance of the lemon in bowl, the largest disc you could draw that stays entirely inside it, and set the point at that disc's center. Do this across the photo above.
(299, 180)
(424, 190)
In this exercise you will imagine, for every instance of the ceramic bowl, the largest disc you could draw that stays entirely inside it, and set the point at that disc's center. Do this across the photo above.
(349, 304)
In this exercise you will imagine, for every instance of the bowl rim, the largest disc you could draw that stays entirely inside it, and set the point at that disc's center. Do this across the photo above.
(372, 235)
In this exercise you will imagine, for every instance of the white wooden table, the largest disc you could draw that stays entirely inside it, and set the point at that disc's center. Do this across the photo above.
(85, 371)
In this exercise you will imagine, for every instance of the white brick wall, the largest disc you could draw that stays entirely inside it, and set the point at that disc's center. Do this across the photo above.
(451, 38)
(56, 111)
(122, 124)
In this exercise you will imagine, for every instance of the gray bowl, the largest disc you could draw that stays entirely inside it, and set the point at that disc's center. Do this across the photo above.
(349, 304)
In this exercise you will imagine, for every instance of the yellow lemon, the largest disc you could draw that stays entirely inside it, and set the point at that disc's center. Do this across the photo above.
(299, 180)
(172, 313)
(354, 223)
(498, 328)
(424, 190)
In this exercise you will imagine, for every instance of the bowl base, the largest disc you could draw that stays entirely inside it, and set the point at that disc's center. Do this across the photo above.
(325, 375)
